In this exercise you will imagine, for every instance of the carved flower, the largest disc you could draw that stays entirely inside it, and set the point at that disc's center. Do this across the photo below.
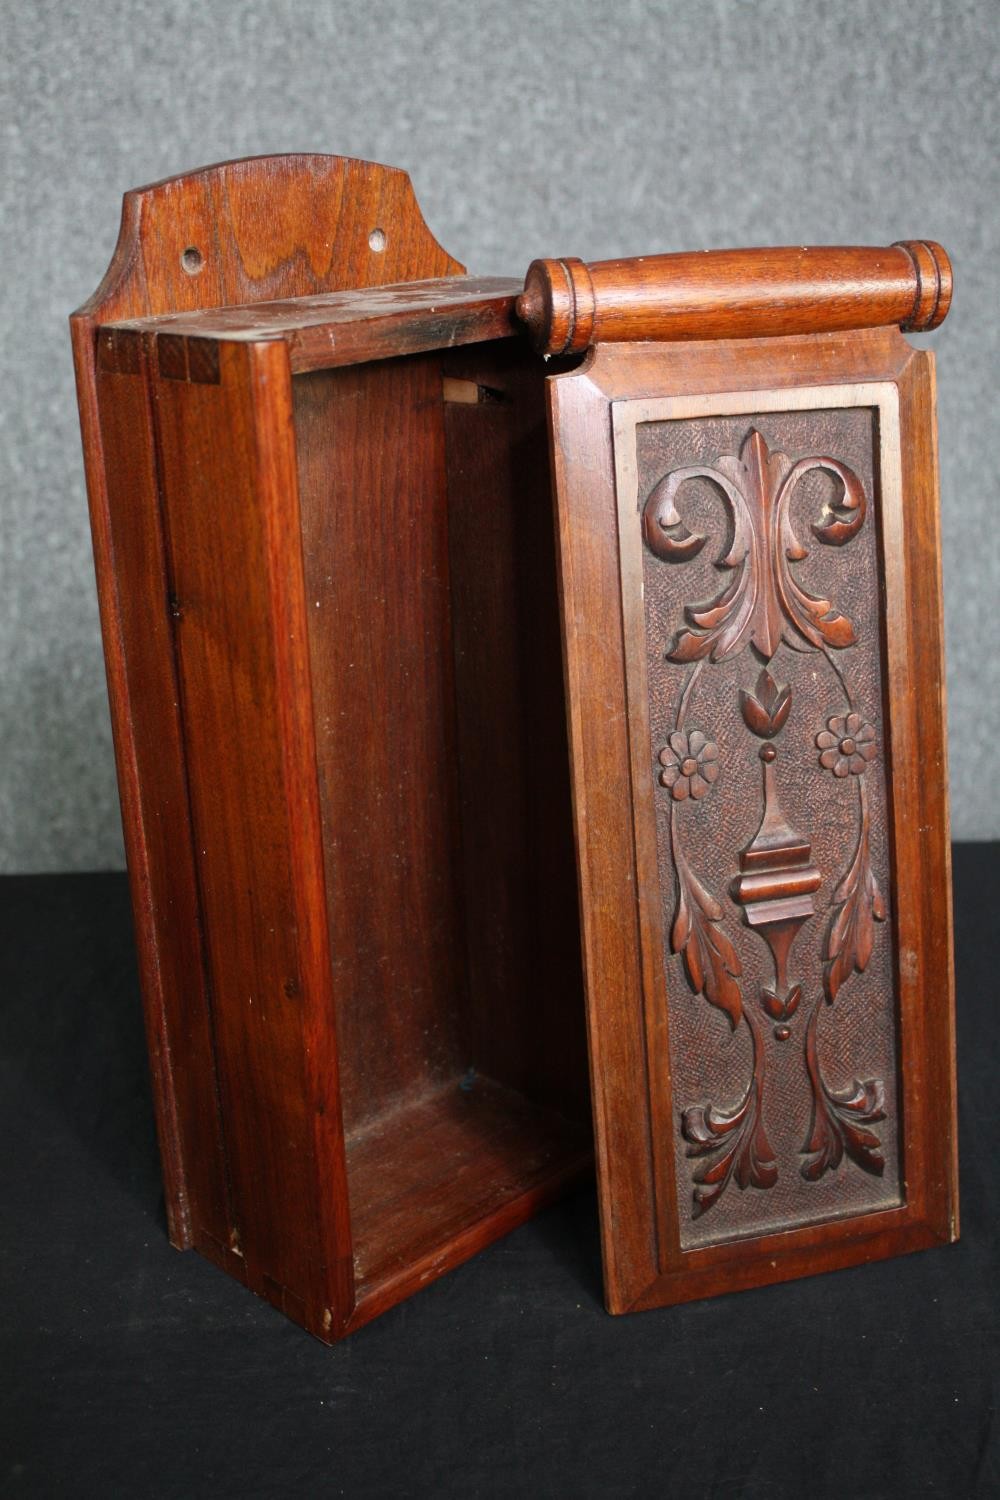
(847, 745)
(690, 764)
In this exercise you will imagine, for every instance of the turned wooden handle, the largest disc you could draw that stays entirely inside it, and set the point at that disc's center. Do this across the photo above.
(715, 294)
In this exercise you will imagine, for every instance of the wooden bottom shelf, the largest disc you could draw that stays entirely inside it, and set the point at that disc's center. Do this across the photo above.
(442, 1176)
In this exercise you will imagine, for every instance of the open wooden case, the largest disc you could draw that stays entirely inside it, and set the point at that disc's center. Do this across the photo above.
(318, 460)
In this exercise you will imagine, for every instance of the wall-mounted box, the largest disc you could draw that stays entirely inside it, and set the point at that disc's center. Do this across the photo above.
(335, 614)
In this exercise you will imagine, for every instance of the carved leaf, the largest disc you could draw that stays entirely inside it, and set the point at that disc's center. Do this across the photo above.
(766, 711)
(666, 535)
(839, 1118)
(815, 620)
(781, 1009)
(722, 627)
(710, 960)
(746, 1153)
(837, 1129)
(846, 515)
(771, 1003)
(858, 906)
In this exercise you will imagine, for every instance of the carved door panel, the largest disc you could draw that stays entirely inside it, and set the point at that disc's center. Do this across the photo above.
(752, 628)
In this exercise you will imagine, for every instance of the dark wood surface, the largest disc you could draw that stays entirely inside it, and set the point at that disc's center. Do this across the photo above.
(375, 545)
(330, 601)
(631, 913)
(230, 510)
(518, 862)
(425, 1176)
(134, 1370)
(728, 294)
(331, 1045)
(154, 794)
(427, 1020)
(259, 229)
(346, 328)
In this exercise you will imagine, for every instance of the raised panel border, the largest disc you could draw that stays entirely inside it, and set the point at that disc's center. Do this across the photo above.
(602, 603)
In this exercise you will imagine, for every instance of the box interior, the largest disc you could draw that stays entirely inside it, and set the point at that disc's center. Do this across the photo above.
(444, 779)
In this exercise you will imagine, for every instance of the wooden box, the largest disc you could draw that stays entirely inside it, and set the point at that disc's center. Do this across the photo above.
(334, 612)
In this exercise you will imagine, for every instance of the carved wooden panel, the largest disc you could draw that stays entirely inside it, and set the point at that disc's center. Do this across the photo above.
(764, 678)
(758, 746)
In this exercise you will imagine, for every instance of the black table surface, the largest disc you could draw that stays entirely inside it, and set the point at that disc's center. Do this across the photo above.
(131, 1370)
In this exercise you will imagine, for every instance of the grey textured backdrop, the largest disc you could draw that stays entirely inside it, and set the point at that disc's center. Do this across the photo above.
(593, 129)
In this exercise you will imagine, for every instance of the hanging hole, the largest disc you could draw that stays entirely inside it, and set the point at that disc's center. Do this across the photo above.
(192, 260)
(377, 241)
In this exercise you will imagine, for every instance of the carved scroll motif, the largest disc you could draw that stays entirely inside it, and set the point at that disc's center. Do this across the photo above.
(761, 606)
(764, 603)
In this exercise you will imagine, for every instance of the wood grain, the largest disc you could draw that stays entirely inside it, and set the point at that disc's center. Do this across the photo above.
(351, 1097)
(346, 328)
(726, 294)
(155, 815)
(264, 228)
(379, 623)
(421, 1177)
(231, 511)
(261, 229)
(646, 1264)
(522, 924)
(316, 463)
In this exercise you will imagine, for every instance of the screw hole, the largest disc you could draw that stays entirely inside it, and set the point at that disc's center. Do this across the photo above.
(377, 241)
(192, 260)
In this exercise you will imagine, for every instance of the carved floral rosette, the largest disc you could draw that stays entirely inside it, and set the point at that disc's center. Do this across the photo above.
(777, 647)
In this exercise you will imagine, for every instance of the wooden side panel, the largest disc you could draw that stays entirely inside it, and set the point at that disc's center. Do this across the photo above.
(375, 540)
(234, 559)
(134, 593)
(763, 863)
(922, 836)
(621, 1082)
(237, 232)
(525, 1014)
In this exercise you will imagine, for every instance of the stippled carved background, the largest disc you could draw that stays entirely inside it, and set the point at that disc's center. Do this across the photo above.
(782, 1057)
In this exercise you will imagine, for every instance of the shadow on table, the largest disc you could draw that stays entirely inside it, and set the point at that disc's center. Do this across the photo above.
(72, 1042)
